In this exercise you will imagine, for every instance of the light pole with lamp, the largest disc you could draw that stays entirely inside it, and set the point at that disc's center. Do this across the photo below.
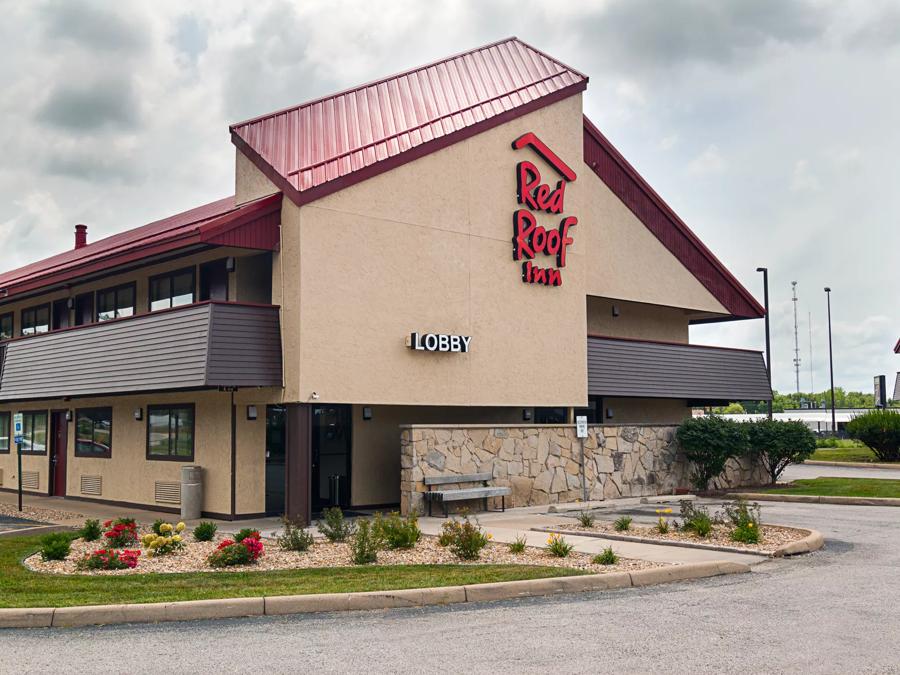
(831, 363)
(765, 273)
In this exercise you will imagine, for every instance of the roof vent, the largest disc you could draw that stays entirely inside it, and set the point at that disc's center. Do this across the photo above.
(80, 236)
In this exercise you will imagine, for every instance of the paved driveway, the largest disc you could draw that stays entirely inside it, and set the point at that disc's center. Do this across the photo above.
(814, 470)
(834, 611)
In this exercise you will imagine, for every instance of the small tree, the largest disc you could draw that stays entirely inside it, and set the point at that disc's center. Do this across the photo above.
(880, 430)
(778, 444)
(708, 443)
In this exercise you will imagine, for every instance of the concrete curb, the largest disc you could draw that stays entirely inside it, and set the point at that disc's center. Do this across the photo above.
(811, 542)
(816, 499)
(228, 608)
(854, 465)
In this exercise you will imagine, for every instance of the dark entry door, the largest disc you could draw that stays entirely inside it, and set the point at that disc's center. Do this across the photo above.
(60, 314)
(59, 441)
(275, 460)
(214, 281)
(330, 456)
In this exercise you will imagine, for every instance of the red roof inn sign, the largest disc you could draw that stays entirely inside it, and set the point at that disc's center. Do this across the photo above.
(529, 238)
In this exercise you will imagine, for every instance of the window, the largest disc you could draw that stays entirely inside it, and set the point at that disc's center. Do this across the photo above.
(114, 303)
(36, 320)
(170, 432)
(6, 326)
(34, 432)
(5, 440)
(93, 432)
(172, 290)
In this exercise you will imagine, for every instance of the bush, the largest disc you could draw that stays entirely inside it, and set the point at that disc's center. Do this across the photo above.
(365, 544)
(121, 532)
(465, 539)
(778, 444)
(708, 443)
(56, 546)
(230, 553)
(294, 536)
(662, 525)
(558, 546)
(396, 531)
(518, 546)
(586, 519)
(109, 559)
(161, 544)
(880, 430)
(695, 519)
(246, 533)
(622, 523)
(91, 530)
(334, 527)
(608, 557)
(745, 519)
(205, 531)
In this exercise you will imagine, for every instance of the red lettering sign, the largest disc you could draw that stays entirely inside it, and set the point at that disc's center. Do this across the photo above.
(529, 238)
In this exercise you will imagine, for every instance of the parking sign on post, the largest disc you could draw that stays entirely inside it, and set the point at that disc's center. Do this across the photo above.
(581, 432)
(581, 426)
(18, 437)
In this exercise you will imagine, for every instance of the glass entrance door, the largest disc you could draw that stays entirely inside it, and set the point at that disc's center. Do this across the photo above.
(330, 456)
(275, 460)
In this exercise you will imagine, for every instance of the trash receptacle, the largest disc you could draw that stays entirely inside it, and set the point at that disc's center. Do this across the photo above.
(191, 492)
(334, 490)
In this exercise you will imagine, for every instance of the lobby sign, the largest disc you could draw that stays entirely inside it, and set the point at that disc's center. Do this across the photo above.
(529, 238)
(438, 342)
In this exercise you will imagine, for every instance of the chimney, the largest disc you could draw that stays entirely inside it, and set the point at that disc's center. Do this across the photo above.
(80, 236)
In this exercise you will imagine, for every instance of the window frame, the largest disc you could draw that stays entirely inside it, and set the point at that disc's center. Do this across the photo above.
(32, 413)
(171, 277)
(9, 434)
(12, 325)
(115, 289)
(170, 457)
(94, 455)
(34, 309)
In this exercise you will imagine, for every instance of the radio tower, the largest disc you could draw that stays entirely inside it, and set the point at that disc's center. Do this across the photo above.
(796, 338)
(812, 387)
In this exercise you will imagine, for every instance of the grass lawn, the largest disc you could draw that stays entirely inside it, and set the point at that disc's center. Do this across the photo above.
(842, 487)
(858, 454)
(19, 587)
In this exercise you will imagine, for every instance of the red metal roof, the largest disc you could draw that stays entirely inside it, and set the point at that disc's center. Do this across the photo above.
(322, 146)
(629, 186)
(252, 225)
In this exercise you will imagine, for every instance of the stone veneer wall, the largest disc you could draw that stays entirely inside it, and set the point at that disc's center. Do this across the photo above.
(542, 463)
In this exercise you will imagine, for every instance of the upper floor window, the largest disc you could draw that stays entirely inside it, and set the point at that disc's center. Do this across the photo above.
(36, 320)
(4, 433)
(172, 290)
(6, 326)
(114, 303)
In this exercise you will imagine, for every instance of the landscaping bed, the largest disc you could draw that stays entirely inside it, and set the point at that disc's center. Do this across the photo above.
(38, 514)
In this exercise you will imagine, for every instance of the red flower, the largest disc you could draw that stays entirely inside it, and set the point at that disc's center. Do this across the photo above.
(255, 546)
(225, 542)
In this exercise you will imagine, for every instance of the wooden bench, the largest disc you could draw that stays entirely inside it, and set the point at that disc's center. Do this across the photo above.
(460, 494)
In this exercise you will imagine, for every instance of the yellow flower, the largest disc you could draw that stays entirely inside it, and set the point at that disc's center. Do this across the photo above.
(177, 538)
(490, 536)
(165, 527)
(179, 527)
(749, 524)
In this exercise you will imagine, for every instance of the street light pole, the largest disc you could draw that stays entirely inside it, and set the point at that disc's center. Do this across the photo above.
(765, 273)
(831, 363)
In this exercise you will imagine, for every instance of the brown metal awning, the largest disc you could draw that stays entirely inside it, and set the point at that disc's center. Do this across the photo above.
(633, 368)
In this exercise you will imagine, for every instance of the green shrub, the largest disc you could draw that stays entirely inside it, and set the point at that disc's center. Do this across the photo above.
(365, 544)
(90, 531)
(294, 536)
(205, 531)
(708, 443)
(662, 525)
(156, 528)
(608, 557)
(518, 546)
(622, 523)
(334, 527)
(465, 539)
(396, 531)
(245, 533)
(778, 444)
(56, 546)
(880, 430)
(745, 519)
(108, 559)
(586, 519)
(231, 555)
(695, 519)
(558, 546)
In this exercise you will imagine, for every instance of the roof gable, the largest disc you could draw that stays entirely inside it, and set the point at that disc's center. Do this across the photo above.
(328, 144)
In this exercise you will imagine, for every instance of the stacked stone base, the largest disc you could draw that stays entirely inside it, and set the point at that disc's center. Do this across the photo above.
(543, 464)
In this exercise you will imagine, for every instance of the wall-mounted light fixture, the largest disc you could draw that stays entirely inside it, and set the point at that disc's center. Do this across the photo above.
(314, 396)
(251, 412)
(70, 303)
(138, 414)
(615, 310)
(68, 415)
(526, 414)
(367, 414)
(229, 264)
(609, 413)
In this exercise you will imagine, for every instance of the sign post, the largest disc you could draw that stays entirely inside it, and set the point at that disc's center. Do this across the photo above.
(18, 437)
(581, 431)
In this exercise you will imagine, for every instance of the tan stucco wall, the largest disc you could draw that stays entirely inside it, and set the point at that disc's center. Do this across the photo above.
(646, 410)
(636, 320)
(427, 247)
(249, 182)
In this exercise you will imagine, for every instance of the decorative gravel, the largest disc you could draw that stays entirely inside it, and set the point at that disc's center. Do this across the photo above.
(192, 558)
(772, 536)
(38, 514)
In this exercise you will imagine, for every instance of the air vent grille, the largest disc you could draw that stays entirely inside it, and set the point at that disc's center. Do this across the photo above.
(31, 480)
(168, 492)
(92, 485)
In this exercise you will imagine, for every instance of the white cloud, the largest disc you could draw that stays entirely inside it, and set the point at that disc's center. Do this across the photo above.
(709, 161)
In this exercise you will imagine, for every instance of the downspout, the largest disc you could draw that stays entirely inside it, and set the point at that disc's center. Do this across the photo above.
(233, 457)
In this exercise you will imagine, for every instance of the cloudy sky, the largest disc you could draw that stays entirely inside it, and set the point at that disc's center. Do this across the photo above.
(770, 126)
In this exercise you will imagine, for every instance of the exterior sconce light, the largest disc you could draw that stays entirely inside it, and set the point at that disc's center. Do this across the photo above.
(138, 414)
(229, 264)
(615, 310)
(367, 414)
(68, 415)
(251, 412)
(314, 396)
(70, 303)
(609, 413)
(526, 414)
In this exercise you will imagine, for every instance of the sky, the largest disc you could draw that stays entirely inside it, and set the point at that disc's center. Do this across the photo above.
(770, 126)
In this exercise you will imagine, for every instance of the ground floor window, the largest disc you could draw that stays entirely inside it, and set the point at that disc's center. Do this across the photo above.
(170, 432)
(93, 432)
(4, 433)
(34, 432)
